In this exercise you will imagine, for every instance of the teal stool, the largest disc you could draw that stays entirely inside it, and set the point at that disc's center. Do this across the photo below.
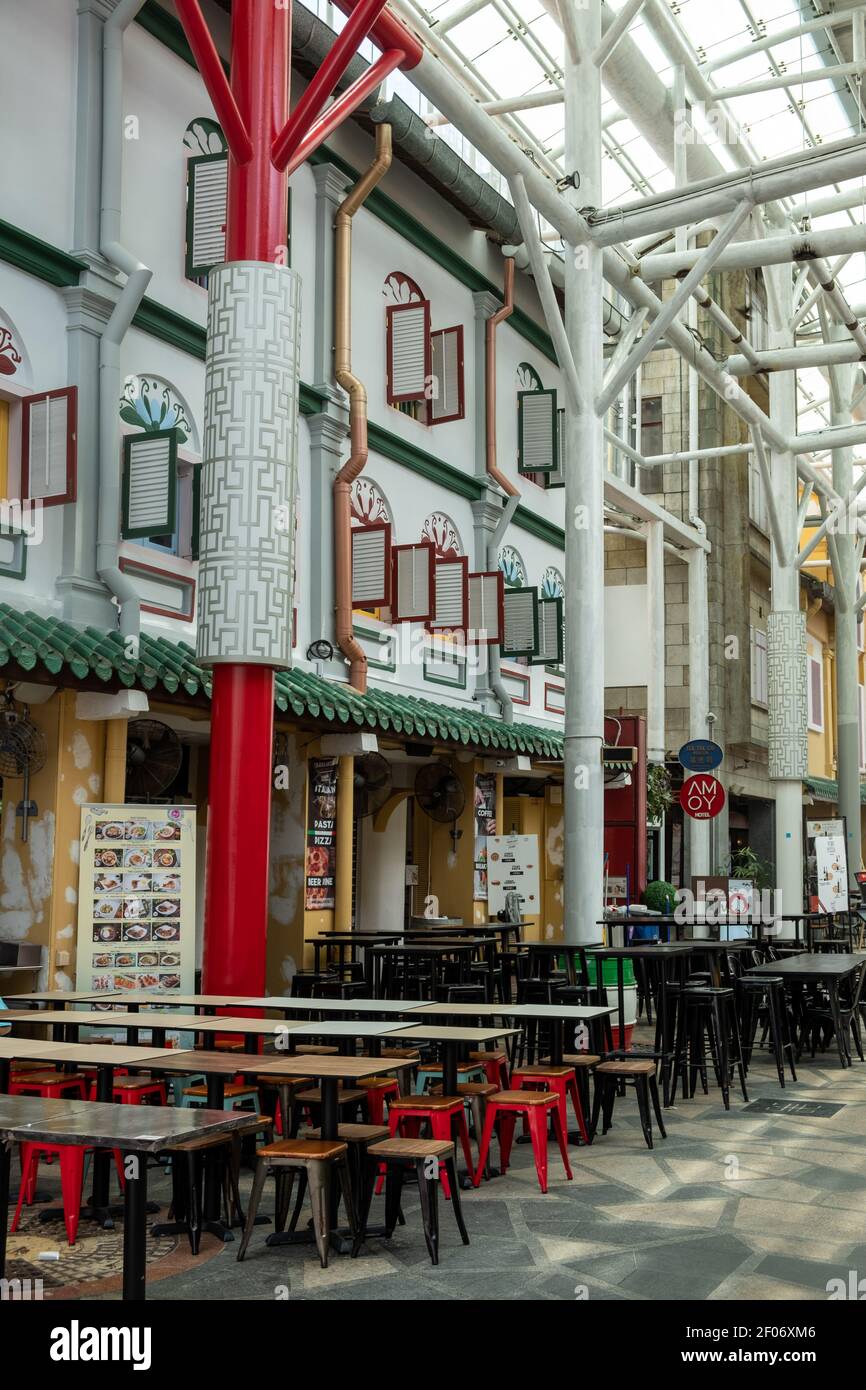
(431, 1073)
(178, 1083)
(237, 1094)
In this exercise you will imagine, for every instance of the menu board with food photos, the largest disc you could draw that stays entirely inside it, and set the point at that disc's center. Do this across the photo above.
(136, 899)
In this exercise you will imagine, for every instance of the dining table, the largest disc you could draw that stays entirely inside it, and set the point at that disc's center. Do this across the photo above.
(434, 953)
(27, 1119)
(667, 956)
(827, 969)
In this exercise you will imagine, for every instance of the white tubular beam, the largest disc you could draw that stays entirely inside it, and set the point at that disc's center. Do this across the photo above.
(718, 451)
(836, 296)
(766, 183)
(809, 26)
(673, 306)
(655, 704)
(616, 31)
(530, 102)
(772, 250)
(835, 437)
(728, 327)
(776, 531)
(462, 12)
(625, 344)
(803, 508)
(833, 202)
(793, 359)
(811, 299)
(843, 506)
(791, 79)
(544, 286)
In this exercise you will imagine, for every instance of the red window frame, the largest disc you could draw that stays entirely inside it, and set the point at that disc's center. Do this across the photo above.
(391, 310)
(71, 394)
(384, 602)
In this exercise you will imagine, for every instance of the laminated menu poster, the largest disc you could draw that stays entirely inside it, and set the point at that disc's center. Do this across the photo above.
(485, 826)
(321, 866)
(512, 867)
(136, 899)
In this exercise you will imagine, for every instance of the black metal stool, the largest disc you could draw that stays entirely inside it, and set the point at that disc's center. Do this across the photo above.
(711, 1012)
(767, 993)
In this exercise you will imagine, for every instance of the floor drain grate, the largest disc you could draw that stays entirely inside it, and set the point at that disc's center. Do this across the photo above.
(818, 1109)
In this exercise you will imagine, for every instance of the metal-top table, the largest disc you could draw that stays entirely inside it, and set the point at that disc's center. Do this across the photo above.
(828, 970)
(157, 1023)
(26, 1120)
(555, 1015)
(59, 997)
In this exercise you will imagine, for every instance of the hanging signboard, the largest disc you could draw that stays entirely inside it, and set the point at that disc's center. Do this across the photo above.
(485, 826)
(321, 862)
(136, 899)
(700, 755)
(827, 863)
(512, 867)
(702, 797)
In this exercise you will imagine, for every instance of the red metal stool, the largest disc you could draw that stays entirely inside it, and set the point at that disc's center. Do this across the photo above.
(134, 1090)
(379, 1089)
(495, 1066)
(49, 1085)
(407, 1114)
(536, 1106)
(71, 1158)
(562, 1081)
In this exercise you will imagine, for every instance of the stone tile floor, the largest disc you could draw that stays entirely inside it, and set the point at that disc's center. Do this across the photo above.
(731, 1205)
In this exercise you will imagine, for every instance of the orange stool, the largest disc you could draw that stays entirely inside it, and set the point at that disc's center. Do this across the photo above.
(134, 1090)
(49, 1085)
(536, 1106)
(71, 1158)
(562, 1081)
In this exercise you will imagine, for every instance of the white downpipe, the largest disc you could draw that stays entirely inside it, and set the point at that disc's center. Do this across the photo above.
(138, 278)
(655, 568)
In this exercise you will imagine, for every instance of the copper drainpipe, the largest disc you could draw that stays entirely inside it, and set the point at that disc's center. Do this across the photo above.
(357, 393)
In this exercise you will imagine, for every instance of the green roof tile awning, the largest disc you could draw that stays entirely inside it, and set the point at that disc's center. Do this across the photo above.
(53, 648)
(825, 789)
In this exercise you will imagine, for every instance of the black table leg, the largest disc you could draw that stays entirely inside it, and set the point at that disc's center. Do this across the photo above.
(5, 1072)
(135, 1228)
(449, 1069)
(212, 1221)
(102, 1159)
(5, 1167)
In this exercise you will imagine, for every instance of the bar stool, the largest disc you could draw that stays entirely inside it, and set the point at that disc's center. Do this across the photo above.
(711, 1012)
(495, 1064)
(642, 1075)
(313, 1160)
(396, 1155)
(766, 995)
(536, 1107)
(584, 1065)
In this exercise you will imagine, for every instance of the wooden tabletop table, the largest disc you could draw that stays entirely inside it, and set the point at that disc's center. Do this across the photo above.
(27, 1120)
(158, 1023)
(452, 1040)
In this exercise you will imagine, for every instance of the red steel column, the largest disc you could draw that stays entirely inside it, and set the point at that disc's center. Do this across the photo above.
(242, 713)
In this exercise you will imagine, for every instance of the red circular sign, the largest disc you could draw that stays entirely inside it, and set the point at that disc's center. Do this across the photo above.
(702, 796)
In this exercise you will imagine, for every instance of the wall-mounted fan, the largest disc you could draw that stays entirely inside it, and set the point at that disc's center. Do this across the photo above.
(23, 751)
(153, 759)
(372, 781)
(439, 792)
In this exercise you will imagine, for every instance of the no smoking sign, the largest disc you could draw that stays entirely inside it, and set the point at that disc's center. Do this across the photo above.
(702, 797)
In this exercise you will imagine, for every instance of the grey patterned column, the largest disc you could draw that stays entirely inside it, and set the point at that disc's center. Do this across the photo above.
(250, 465)
(786, 678)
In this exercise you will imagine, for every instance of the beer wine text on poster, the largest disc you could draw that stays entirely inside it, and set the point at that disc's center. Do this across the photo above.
(321, 866)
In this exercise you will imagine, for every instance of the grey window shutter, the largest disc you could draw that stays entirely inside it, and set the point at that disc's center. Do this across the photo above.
(408, 343)
(556, 477)
(537, 431)
(485, 606)
(206, 212)
(549, 651)
(371, 558)
(446, 370)
(449, 611)
(48, 440)
(412, 587)
(520, 637)
(149, 485)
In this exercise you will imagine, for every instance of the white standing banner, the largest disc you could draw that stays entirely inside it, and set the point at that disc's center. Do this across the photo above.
(136, 899)
(831, 864)
(512, 867)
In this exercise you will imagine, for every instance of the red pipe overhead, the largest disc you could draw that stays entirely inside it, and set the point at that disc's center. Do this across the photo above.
(325, 80)
(257, 226)
(344, 106)
(213, 75)
(390, 32)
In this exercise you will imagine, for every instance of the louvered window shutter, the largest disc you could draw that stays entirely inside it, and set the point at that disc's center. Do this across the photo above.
(537, 431)
(556, 477)
(549, 648)
(195, 539)
(149, 485)
(450, 613)
(371, 566)
(520, 636)
(446, 356)
(206, 213)
(412, 584)
(408, 346)
(485, 607)
(48, 446)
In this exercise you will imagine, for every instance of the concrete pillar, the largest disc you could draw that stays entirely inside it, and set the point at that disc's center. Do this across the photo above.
(584, 507)
(655, 696)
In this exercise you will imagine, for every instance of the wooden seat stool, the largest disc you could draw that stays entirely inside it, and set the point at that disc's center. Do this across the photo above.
(537, 1107)
(277, 1099)
(359, 1138)
(441, 1114)
(641, 1072)
(188, 1175)
(495, 1066)
(396, 1155)
(236, 1094)
(349, 1098)
(135, 1090)
(560, 1080)
(432, 1072)
(313, 1159)
(50, 1085)
(584, 1064)
(379, 1090)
